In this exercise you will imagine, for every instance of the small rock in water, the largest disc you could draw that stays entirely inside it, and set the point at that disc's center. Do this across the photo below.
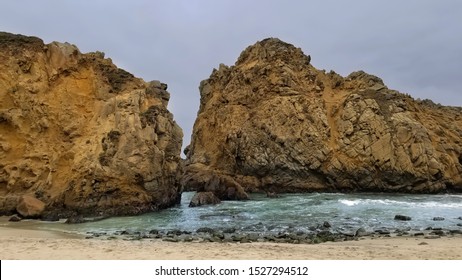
(229, 230)
(438, 219)
(459, 225)
(419, 234)
(432, 237)
(14, 218)
(439, 232)
(219, 235)
(174, 232)
(326, 224)
(170, 239)
(204, 198)
(361, 232)
(50, 217)
(402, 218)
(188, 239)
(153, 231)
(460, 218)
(75, 220)
(205, 230)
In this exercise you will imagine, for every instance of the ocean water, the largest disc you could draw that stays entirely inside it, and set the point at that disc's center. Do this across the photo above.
(291, 212)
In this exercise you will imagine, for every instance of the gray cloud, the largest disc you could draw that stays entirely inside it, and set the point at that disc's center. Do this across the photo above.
(414, 46)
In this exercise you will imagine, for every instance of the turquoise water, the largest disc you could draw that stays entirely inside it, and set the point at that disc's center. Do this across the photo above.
(291, 212)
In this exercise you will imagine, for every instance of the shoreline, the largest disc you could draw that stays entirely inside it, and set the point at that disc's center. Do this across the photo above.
(32, 244)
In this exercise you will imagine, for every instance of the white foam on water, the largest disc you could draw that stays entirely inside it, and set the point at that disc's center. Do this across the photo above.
(350, 202)
(406, 204)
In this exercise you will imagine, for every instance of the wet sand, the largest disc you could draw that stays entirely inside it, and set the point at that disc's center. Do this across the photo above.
(20, 243)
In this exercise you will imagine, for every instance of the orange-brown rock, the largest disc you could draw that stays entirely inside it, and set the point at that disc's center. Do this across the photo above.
(274, 123)
(82, 135)
(30, 207)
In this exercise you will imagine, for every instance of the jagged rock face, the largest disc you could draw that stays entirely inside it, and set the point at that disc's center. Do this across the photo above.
(82, 135)
(275, 123)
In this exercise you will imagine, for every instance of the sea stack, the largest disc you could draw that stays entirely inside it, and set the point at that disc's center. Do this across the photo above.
(81, 135)
(275, 123)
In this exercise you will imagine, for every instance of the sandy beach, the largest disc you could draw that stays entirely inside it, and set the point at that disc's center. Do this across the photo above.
(25, 244)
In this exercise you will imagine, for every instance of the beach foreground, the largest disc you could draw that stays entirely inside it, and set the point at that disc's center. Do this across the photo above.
(37, 244)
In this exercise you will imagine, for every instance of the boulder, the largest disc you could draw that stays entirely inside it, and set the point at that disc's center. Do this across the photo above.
(30, 207)
(402, 218)
(361, 232)
(272, 195)
(204, 198)
(15, 218)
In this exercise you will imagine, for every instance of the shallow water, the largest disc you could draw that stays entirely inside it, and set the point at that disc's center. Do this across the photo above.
(291, 212)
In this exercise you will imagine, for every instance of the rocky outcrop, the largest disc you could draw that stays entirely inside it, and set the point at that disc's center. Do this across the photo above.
(274, 123)
(203, 198)
(81, 135)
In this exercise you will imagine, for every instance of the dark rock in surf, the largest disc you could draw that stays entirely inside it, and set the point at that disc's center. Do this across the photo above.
(402, 218)
(206, 230)
(382, 231)
(15, 218)
(438, 232)
(438, 219)
(229, 230)
(75, 220)
(153, 231)
(50, 217)
(272, 195)
(360, 232)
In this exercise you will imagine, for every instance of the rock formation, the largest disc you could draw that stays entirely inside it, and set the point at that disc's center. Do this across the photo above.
(81, 135)
(274, 123)
(203, 198)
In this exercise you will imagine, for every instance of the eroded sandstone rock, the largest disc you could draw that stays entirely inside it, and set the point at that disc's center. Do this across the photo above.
(82, 135)
(274, 123)
(30, 207)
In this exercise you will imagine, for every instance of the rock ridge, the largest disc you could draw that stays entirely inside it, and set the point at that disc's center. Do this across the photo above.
(81, 135)
(274, 123)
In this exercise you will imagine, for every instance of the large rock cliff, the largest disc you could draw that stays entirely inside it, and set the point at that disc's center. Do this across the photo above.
(274, 123)
(81, 135)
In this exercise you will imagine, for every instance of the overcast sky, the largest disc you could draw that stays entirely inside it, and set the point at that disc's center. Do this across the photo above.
(415, 46)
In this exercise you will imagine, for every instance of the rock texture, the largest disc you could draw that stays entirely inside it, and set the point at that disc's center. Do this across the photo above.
(274, 123)
(81, 135)
(203, 198)
(30, 207)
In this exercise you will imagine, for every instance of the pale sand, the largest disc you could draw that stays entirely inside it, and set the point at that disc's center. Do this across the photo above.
(35, 244)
